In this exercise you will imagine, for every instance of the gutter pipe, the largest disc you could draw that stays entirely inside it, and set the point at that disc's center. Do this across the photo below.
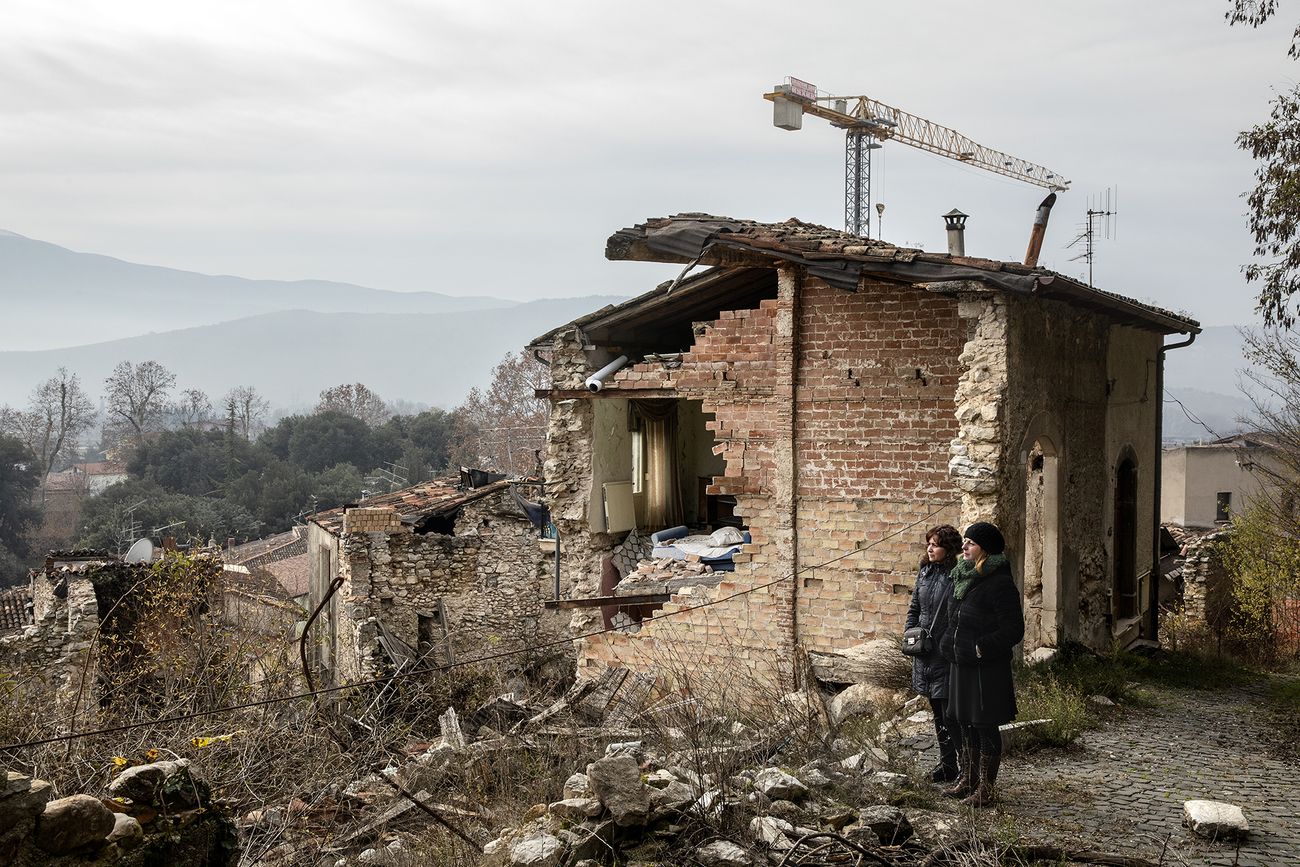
(1153, 594)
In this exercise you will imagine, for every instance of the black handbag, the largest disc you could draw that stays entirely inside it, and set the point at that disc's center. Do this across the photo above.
(917, 641)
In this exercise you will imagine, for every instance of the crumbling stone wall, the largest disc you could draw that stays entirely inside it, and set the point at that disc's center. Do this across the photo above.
(1039, 371)
(1207, 585)
(57, 647)
(488, 578)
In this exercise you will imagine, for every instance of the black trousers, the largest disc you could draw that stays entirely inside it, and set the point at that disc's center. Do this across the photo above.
(947, 733)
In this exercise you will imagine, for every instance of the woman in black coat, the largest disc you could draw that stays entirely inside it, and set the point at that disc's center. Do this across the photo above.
(929, 610)
(985, 622)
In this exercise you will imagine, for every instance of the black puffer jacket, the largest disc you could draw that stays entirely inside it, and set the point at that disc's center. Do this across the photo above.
(986, 623)
(983, 627)
(929, 608)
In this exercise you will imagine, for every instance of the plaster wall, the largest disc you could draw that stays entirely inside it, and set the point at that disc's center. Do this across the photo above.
(1197, 474)
(1173, 487)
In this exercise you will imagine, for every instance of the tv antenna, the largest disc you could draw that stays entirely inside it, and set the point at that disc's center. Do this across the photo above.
(1101, 210)
(391, 474)
(866, 122)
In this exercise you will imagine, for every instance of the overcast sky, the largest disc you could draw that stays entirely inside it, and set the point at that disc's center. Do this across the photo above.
(491, 148)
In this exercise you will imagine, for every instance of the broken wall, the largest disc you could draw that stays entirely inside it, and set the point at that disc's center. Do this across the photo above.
(740, 369)
(833, 413)
(479, 591)
(1052, 396)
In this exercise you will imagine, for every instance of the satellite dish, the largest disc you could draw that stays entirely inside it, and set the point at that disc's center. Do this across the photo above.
(141, 552)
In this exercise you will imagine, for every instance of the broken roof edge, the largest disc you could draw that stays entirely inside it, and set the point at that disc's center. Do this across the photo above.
(843, 260)
(684, 284)
(331, 521)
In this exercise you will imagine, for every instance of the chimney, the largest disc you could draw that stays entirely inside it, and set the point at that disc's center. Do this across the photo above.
(955, 221)
(1039, 230)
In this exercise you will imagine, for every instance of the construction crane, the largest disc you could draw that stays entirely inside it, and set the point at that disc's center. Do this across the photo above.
(866, 122)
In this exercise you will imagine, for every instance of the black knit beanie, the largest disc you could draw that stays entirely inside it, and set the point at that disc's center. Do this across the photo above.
(987, 537)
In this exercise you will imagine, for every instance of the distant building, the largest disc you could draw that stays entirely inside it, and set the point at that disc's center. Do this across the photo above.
(437, 572)
(1202, 484)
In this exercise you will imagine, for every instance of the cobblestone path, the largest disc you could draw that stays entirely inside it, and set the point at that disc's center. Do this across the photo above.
(1122, 789)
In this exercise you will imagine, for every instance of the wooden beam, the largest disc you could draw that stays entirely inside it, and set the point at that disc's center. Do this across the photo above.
(604, 601)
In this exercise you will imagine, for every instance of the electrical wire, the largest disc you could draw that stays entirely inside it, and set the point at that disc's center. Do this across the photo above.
(182, 717)
(1192, 416)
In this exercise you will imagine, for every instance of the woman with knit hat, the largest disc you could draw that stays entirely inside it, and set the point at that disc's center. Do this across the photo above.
(985, 622)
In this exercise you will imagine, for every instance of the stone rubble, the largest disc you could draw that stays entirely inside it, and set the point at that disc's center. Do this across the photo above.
(1215, 820)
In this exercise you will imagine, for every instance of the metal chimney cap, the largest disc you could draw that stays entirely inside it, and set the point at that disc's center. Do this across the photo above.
(955, 219)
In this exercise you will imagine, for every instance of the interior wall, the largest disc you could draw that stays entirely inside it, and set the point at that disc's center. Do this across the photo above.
(611, 454)
(695, 455)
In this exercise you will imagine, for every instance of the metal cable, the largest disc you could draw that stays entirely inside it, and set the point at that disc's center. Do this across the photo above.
(441, 668)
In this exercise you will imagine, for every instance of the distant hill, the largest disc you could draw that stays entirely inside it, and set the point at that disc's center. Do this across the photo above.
(54, 297)
(1206, 377)
(291, 356)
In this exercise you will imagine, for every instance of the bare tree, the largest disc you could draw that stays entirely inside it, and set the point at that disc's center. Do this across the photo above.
(502, 427)
(248, 408)
(192, 409)
(57, 413)
(356, 400)
(136, 396)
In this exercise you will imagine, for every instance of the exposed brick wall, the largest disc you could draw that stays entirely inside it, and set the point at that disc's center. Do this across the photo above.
(877, 371)
(864, 439)
(741, 369)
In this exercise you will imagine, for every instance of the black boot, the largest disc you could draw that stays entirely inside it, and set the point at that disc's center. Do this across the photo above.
(949, 767)
(982, 794)
(970, 770)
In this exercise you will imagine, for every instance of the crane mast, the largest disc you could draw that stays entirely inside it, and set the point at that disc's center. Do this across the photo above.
(867, 122)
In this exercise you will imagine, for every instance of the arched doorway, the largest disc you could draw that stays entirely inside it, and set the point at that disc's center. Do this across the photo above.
(1042, 567)
(1124, 567)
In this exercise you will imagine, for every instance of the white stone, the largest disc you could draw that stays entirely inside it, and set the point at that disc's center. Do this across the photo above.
(543, 851)
(778, 785)
(1042, 655)
(1216, 820)
(865, 699)
(577, 786)
(722, 853)
(575, 809)
(772, 831)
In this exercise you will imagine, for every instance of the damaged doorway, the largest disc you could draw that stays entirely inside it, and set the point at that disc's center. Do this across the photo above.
(1042, 569)
(1125, 549)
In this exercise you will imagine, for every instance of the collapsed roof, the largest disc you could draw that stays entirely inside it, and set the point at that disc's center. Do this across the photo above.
(418, 505)
(744, 253)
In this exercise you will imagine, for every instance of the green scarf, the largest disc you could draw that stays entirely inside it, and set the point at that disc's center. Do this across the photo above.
(966, 573)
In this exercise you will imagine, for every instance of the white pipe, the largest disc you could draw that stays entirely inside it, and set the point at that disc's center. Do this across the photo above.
(596, 381)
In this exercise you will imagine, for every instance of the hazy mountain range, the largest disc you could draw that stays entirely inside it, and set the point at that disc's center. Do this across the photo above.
(60, 297)
(288, 339)
(291, 339)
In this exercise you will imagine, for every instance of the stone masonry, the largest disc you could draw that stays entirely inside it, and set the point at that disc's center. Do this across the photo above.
(477, 591)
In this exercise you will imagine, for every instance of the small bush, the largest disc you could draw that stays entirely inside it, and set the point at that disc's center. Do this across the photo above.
(1063, 704)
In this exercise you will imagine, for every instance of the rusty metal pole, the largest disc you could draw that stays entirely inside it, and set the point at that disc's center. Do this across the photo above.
(1040, 229)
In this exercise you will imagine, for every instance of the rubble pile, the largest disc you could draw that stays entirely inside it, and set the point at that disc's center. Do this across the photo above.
(154, 814)
(666, 575)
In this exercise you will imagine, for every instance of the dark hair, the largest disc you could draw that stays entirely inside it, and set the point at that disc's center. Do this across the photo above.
(947, 538)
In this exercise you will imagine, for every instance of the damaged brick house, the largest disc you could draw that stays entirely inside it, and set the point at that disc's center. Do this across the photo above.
(826, 392)
(435, 572)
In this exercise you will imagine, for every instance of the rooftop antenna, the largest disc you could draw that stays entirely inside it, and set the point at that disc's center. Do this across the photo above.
(1101, 210)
